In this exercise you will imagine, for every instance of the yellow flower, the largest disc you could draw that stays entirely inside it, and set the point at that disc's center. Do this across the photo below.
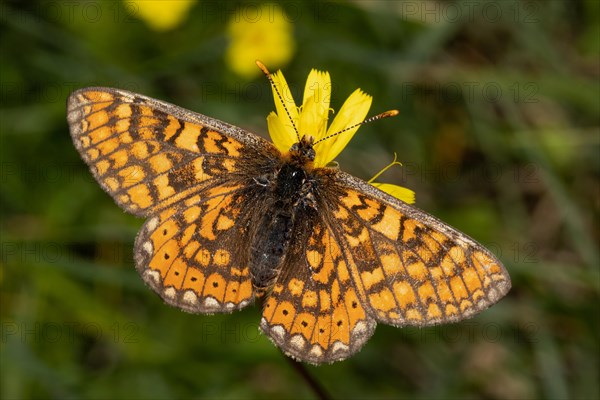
(311, 120)
(161, 15)
(259, 32)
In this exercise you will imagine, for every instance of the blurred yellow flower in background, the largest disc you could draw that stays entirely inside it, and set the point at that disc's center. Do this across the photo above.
(161, 15)
(312, 117)
(259, 32)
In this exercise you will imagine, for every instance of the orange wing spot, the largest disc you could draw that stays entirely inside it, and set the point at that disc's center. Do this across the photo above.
(409, 229)
(391, 263)
(140, 195)
(413, 315)
(417, 270)
(123, 111)
(188, 233)
(222, 257)
(269, 308)
(192, 200)
(123, 198)
(97, 119)
(190, 248)
(224, 223)
(426, 292)
(171, 128)
(199, 174)
(194, 279)
(355, 310)
(432, 246)
(309, 300)
(433, 312)
(335, 292)
(93, 154)
(140, 150)
(167, 213)
(176, 274)
(119, 158)
(96, 97)
(477, 294)
(342, 271)
(102, 166)
(350, 199)
(215, 286)
(108, 146)
(370, 212)
(164, 257)
(165, 232)
(471, 279)
(122, 126)
(100, 134)
(165, 191)
(160, 163)
(304, 324)
(278, 288)
(389, 225)
(358, 240)
(436, 273)
(448, 265)
(245, 289)
(370, 278)
(203, 257)
(295, 287)
(112, 184)
(232, 293)
(284, 314)
(322, 331)
(325, 300)
(149, 121)
(341, 328)
(451, 310)
(460, 292)
(233, 148)
(324, 274)
(444, 292)
(465, 305)
(85, 141)
(132, 175)
(485, 264)
(382, 301)
(314, 258)
(188, 138)
(145, 111)
(404, 293)
(191, 214)
(341, 214)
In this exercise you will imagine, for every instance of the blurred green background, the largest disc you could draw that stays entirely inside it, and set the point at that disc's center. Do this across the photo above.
(498, 134)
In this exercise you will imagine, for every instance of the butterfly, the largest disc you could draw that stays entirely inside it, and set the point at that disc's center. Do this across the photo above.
(230, 219)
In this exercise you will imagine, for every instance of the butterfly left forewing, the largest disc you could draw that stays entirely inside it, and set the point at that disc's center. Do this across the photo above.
(148, 154)
(409, 267)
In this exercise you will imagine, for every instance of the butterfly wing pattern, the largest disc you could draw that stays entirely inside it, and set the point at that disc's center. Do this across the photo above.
(350, 255)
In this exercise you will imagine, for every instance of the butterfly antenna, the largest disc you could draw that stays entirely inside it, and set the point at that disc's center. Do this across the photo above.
(265, 71)
(390, 113)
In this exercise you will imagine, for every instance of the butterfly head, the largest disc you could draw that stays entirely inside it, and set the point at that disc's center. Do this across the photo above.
(303, 151)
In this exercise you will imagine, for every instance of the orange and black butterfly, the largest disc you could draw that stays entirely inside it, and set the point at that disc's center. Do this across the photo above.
(231, 219)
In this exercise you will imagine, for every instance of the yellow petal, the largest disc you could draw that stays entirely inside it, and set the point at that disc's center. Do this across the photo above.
(353, 111)
(399, 192)
(315, 104)
(279, 133)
